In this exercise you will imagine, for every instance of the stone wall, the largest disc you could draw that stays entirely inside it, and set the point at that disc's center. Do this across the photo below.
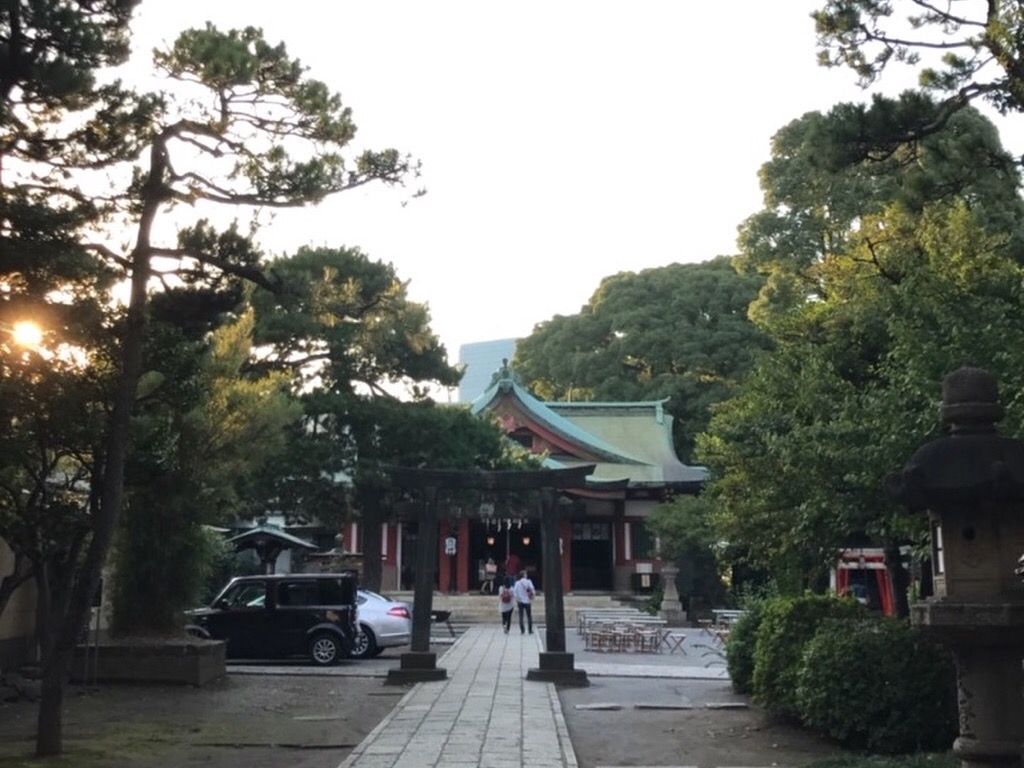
(17, 622)
(187, 662)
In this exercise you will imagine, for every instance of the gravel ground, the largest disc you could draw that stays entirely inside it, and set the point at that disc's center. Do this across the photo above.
(300, 717)
(657, 722)
(305, 717)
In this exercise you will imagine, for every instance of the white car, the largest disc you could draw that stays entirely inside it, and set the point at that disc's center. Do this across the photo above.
(383, 623)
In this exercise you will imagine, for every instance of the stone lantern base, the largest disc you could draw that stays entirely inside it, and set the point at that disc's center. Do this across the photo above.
(671, 608)
(987, 641)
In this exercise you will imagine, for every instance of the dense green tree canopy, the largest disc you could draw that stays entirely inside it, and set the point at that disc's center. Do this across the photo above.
(912, 268)
(962, 50)
(344, 329)
(687, 537)
(344, 323)
(818, 191)
(678, 332)
(363, 359)
(202, 433)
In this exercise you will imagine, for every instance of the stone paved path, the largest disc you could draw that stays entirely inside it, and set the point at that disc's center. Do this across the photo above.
(485, 714)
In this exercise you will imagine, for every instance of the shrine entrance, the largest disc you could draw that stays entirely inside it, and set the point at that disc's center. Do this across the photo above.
(555, 664)
(593, 563)
(496, 539)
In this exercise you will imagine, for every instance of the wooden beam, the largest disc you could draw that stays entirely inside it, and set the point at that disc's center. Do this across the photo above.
(492, 480)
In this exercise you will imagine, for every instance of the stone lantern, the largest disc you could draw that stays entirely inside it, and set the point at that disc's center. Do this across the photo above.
(971, 482)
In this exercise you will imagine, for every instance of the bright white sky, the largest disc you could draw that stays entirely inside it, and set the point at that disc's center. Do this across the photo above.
(561, 141)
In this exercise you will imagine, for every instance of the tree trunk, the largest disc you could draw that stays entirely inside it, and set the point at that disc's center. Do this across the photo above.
(44, 612)
(49, 739)
(72, 615)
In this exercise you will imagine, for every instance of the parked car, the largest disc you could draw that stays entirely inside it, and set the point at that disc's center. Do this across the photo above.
(383, 623)
(283, 615)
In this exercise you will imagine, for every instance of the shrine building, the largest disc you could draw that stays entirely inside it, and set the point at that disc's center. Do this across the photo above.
(604, 537)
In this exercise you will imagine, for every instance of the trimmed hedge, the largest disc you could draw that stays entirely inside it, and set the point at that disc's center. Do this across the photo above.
(739, 651)
(786, 627)
(878, 684)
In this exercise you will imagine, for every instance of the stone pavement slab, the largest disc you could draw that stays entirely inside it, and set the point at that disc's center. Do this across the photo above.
(485, 714)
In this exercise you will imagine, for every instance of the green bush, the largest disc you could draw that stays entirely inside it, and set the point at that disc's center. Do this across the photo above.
(787, 625)
(158, 572)
(877, 684)
(739, 651)
(219, 562)
(653, 602)
(924, 760)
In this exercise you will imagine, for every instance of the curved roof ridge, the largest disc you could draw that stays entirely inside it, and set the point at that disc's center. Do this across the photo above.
(504, 381)
(612, 403)
(642, 406)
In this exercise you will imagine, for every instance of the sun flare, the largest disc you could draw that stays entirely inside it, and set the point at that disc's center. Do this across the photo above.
(27, 334)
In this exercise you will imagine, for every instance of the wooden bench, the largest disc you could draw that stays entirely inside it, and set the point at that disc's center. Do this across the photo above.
(587, 615)
(641, 631)
(724, 617)
(611, 618)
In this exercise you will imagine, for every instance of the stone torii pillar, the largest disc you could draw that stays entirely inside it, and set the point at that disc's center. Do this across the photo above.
(555, 664)
(419, 664)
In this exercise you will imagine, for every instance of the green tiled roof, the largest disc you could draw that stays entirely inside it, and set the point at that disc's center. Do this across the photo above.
(631, 440)
(559, 425)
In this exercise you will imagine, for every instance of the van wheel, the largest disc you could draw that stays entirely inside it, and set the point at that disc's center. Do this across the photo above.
(325, 649)
(365, 645)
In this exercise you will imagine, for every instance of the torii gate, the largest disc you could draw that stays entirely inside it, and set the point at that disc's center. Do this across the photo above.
(555, 664)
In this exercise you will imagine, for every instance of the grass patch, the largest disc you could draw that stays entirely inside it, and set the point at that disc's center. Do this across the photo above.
(926, 760)
(126, 742)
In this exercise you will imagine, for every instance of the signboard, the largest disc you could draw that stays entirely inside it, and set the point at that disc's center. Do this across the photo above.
(449, 545)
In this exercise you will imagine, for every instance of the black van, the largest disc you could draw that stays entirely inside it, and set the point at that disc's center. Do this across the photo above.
(283, 615)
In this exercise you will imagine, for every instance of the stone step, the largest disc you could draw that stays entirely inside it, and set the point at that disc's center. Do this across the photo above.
(478, 609)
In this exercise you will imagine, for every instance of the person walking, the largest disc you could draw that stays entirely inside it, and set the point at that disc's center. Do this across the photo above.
(524, 593)
(506, 603)
(490, 575)
(512, 566)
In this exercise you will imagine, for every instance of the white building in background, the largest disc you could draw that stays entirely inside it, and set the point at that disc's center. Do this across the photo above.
(482, 359)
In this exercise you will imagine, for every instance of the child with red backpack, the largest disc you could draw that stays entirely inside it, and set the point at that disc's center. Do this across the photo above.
(506, 604)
